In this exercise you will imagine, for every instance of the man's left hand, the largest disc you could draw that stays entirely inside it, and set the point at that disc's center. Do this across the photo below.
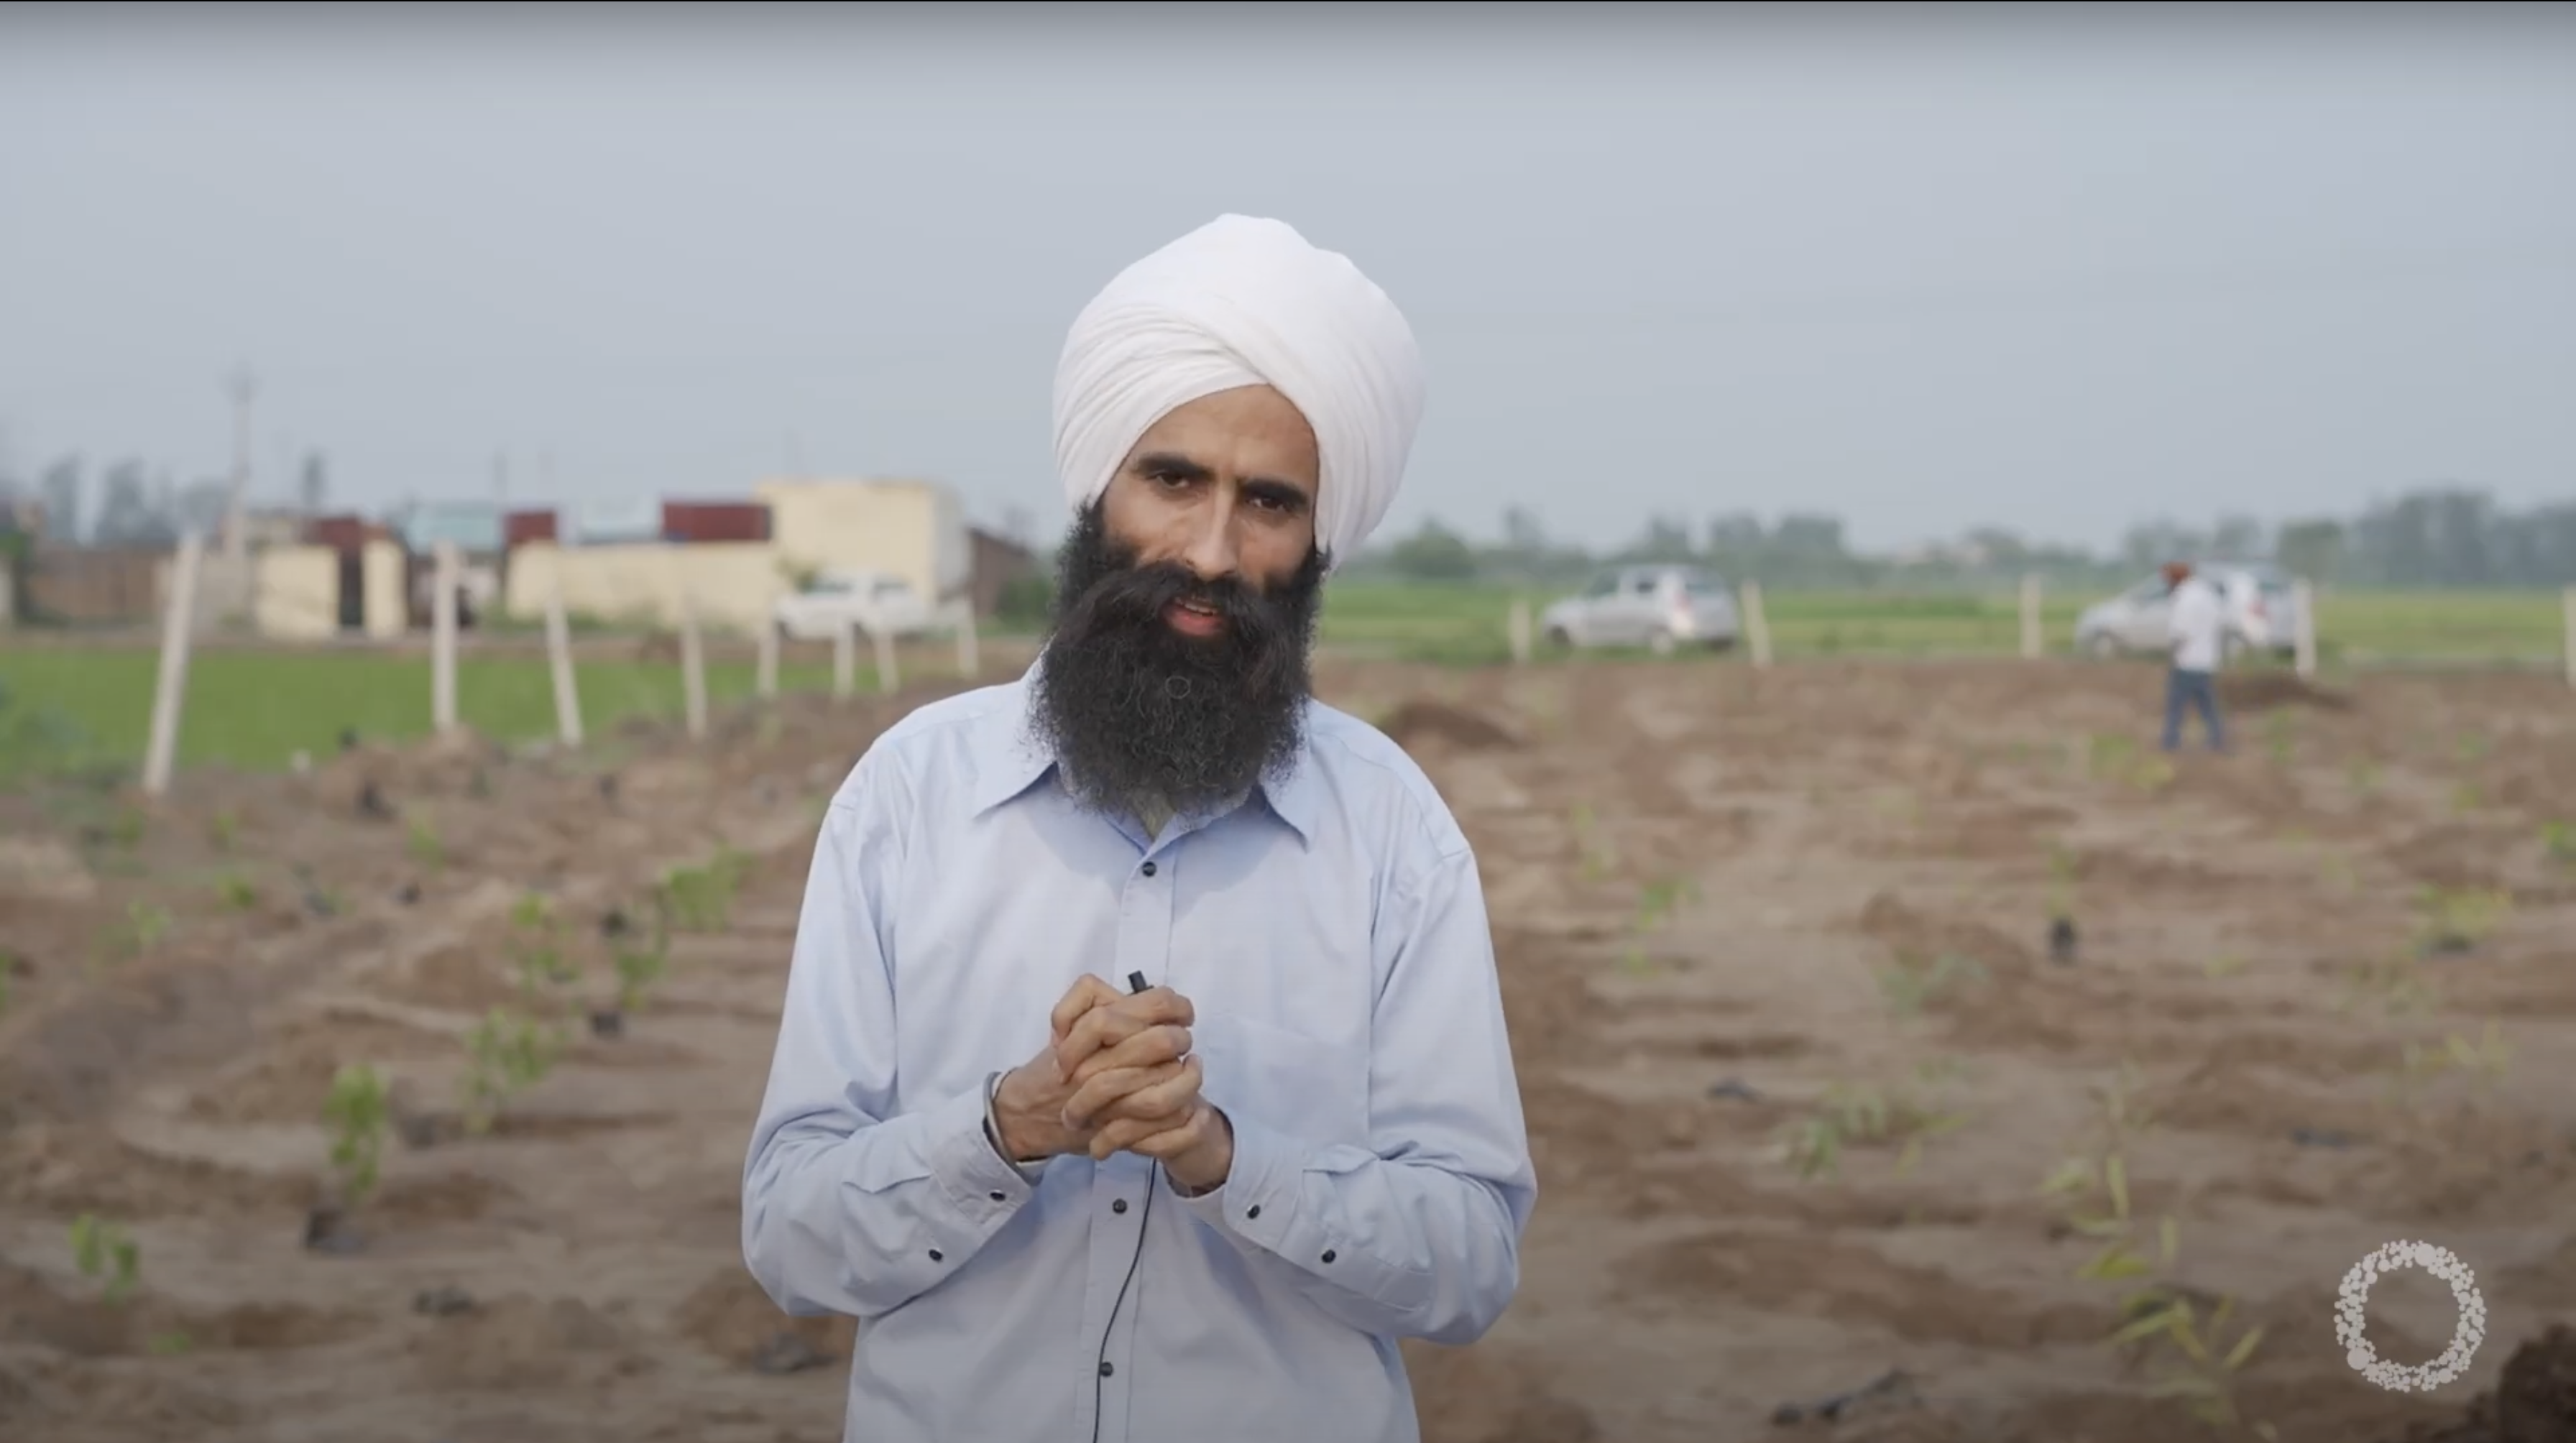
(1170, 1123)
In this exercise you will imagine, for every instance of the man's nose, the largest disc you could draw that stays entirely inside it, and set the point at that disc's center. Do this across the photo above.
(1211, 552)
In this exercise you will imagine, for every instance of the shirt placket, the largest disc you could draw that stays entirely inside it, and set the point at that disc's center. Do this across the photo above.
(1120, 1186)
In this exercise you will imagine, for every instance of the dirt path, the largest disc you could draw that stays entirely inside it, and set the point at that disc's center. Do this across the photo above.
(1727, 905)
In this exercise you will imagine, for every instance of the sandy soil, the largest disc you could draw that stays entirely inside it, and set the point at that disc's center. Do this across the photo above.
(1727, 904)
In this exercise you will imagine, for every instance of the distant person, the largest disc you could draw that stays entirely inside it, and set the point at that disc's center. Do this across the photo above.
(1143, 1074)
(2197, 623)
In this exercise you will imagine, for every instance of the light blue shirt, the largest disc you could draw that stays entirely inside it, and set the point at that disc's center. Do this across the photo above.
(1331, 934)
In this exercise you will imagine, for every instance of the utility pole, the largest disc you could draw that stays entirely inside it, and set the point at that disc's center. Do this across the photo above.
(244, 388)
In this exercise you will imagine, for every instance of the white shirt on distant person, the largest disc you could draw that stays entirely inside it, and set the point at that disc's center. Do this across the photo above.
(2198, 625)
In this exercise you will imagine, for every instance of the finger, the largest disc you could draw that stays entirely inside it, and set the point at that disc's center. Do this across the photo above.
(1152, 1047)
(1112, 1023)
(1156, 1098)
(1161, 1141)
(1086, 993)
(1097, 1096)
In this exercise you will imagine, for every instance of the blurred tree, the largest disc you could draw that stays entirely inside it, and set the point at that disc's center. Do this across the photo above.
(125, 514)
(2313, 549)
(60, 492)
(1667, 539)
(1434, 553)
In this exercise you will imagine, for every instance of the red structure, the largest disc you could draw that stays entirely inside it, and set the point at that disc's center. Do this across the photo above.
(705, 521)
(518, 528)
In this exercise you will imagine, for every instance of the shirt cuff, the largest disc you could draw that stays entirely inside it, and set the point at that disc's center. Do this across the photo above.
(1257, 1202)
(964, 1162)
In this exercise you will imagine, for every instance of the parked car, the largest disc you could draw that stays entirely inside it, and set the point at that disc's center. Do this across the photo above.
(835, 597)
(2262, 613)
(1661, 607)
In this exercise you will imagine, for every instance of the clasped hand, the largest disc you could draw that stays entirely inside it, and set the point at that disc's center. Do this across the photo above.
(1117, 1075)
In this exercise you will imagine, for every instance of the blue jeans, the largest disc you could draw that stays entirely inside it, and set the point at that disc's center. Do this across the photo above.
(2198, 690)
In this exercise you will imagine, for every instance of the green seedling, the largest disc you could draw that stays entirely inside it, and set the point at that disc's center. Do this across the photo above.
(2207, 1357)
(145, 924)
(2466, 798)
(421, 843)
(103, 1251)
(2061, 884)
(238, 892)
(2396, 983)
(1656, 903)
(126, 831)
(358, 1111)
(1594, 849)
(1907, 1114)
(2458, 919)
(223, 831)
(507, 1053)
(2485, 1062)
(538, 949)
(700, 898)
(2472, 748)
(637, 970)
(2281, 737)
(2558, 840)
(169, 1345)
(1912, 985)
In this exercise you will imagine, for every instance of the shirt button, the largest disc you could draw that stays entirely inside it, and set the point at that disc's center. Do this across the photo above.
(937, 1256)
(1148, 869)
(1119, 1206)
(1328, 1255)
(997, 1197)
(1107, 1368)
(1253, 1211)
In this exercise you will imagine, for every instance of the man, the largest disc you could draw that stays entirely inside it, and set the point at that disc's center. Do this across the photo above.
(2196, 622)
(1143, 1074)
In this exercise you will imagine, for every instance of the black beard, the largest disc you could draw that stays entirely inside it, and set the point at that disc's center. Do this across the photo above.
(1136, 710)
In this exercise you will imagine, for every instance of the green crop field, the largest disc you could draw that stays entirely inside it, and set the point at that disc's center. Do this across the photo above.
(1470, 623)
(67, 705)
(71, 707)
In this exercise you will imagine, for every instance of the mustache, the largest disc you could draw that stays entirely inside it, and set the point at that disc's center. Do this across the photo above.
(1259, 629)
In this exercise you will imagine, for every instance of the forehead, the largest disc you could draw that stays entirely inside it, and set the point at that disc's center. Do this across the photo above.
(1246, 428)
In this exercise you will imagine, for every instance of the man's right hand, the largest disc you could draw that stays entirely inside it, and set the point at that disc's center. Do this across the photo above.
(1030, 1108)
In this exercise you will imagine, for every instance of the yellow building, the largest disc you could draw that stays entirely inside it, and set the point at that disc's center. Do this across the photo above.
(912, 530)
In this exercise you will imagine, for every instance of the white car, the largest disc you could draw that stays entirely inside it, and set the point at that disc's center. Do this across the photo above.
(838, 597)
(1660, 607)
(2261, 608)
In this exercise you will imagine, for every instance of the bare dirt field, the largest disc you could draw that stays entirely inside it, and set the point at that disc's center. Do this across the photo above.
(1799, 1045)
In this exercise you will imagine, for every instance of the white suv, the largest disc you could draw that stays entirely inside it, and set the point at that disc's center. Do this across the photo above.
(1652, 606)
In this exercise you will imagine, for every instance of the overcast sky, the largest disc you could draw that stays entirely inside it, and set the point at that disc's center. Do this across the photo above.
(2062, 273)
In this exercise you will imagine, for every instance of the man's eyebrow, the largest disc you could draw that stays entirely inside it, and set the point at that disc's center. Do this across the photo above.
(1172, 463)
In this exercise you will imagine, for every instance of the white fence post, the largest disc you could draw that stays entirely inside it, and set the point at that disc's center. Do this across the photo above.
(845, 664)
(2567, 610)
(1757, 627)
(2303, 637)
(888, 678)
(765, 676)
(693, 666)
(970, 655)
(1520, 631)
(170, 692)
(442, 637)
(559, 662)
(2034, 644)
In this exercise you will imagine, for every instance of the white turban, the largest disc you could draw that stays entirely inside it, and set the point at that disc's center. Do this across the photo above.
(1246, 302)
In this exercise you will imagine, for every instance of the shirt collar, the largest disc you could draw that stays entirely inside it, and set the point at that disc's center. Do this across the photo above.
(1015, 760)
